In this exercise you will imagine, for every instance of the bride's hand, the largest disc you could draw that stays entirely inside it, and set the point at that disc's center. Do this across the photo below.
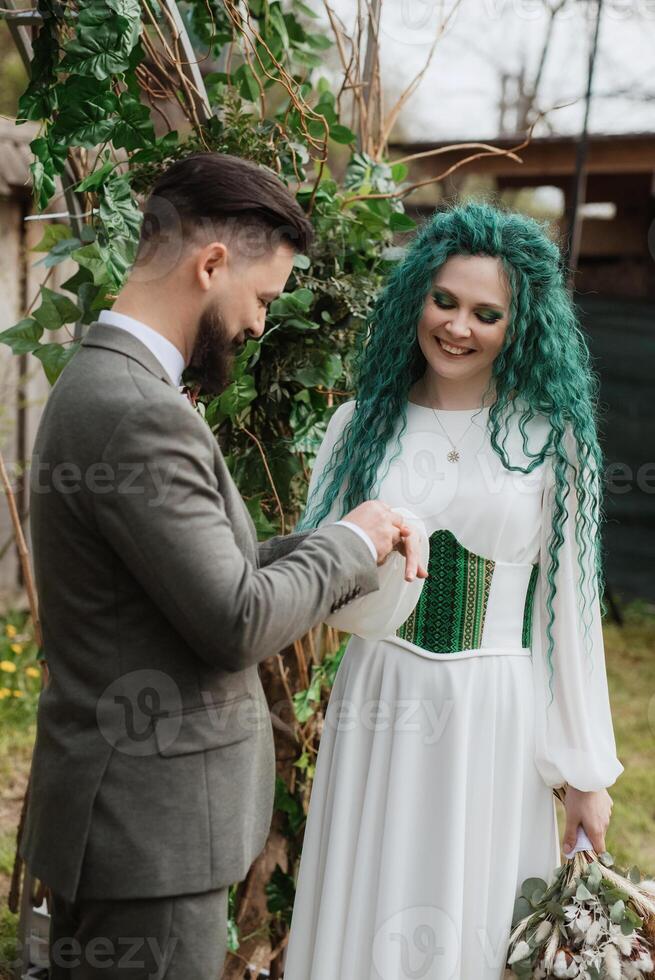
(591, 809)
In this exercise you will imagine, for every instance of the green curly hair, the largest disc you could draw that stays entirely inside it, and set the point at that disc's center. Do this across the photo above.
(544, 361)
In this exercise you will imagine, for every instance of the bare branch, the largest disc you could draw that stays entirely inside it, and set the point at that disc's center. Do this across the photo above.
(407, 93)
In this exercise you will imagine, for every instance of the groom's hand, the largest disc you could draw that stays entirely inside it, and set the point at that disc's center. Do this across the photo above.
(389, 532)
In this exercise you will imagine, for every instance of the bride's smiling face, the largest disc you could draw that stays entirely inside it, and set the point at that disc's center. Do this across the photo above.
(465, 316)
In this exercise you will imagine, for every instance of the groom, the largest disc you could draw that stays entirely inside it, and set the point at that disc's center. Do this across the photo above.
(153, 775)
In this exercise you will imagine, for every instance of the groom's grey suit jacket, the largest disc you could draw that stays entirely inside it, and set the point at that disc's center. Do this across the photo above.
(154, 765)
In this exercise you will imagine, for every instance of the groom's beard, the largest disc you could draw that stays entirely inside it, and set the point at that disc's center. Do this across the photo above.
(212, 358)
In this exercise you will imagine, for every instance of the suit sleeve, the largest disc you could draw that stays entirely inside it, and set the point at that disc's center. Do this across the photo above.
(279, 546)
(169, 526)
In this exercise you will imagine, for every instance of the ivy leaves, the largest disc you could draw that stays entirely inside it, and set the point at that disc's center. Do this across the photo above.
(106, 33)
(73, 87)
(54, 311)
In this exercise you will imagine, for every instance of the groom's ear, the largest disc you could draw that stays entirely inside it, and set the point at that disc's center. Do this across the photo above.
(208, 263)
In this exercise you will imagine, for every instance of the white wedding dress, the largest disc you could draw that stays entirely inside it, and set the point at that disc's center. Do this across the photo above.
(432, 798)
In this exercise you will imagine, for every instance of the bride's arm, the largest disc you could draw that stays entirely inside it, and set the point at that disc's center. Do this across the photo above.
(574, 734)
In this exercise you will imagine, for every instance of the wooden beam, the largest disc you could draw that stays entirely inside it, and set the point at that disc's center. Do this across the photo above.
(545, 158)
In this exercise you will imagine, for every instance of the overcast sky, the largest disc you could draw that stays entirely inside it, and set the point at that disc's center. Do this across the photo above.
(460, 94)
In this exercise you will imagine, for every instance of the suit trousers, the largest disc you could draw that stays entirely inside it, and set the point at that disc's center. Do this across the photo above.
(178, 937)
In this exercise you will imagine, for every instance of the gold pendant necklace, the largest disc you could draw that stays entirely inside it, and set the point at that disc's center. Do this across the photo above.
(453, 456)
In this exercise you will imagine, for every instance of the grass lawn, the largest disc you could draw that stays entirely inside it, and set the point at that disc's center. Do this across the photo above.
(630, 656)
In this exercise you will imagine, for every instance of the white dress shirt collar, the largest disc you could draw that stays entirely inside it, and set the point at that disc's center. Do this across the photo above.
(170, 358)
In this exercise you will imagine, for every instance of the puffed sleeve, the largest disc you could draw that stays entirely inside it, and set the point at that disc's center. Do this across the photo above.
(574, 734)
(373, 616)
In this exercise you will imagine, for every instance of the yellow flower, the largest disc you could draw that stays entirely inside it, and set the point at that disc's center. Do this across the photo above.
(32, 671)
(7, 666)
(17, 694)
(16, 647)
(4, 692)
(10, 630)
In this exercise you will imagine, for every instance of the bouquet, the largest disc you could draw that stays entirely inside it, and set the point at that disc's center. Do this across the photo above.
(589, 921)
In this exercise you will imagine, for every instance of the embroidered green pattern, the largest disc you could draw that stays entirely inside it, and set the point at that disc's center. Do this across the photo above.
(450, 613)
(526, 637)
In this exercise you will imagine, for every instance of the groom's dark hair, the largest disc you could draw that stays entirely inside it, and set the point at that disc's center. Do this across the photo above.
(216, 195)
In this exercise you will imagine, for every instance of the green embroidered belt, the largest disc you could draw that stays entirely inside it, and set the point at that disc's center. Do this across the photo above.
(470, 602)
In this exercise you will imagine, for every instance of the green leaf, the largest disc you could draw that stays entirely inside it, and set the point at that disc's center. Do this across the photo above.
(133, 129)
(634, 874)
(305, 702)
(288, 804)
(248, 356)
(280, 893)
(117, 256)
(341, 134)
(263, 526)
(59, 252)
(582, 892)
(617, 911)
(301, 261)
(55, 357)
(301, 298)
(117, 208)
(55, 310)
(320, 42)
(23, 337)
(308, 58)
(104, 39)
(73, 284)
(595, 876)
(49, 163)
(532, 884)
(401, 222)
(522, 909)
(399, 171)
(51, 235)
(278, 23)
(92, 299)
(85, 118)
(307, 11)
(90, 257)
(236, 398)
(248, 86)
(555, 909)
(325, 374)
(39, 100)
(95, 179)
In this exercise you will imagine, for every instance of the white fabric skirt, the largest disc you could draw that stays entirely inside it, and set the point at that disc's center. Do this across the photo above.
(427, 813)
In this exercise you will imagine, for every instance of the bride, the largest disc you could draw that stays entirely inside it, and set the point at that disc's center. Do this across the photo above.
(443, 739)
